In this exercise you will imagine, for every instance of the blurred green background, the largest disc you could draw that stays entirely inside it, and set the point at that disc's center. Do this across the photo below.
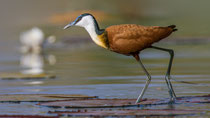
(191, 16)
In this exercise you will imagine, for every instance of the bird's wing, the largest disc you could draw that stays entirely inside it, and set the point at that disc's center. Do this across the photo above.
(133, 38)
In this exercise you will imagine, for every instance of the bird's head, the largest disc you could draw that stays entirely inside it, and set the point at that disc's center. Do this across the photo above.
(82, 21)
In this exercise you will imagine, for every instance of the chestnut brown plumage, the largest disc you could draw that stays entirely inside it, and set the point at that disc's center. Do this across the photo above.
(129, 39)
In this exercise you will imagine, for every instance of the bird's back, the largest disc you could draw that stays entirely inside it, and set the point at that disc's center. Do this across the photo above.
(130, 38)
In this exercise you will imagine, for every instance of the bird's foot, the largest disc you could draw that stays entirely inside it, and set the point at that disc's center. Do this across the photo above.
(172, 100)
(141, 100)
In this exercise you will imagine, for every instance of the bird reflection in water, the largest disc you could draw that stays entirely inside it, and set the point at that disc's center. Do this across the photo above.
(32, 48)
(32, 63)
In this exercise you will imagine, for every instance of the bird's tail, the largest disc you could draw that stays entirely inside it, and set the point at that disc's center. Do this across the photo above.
(173, 27)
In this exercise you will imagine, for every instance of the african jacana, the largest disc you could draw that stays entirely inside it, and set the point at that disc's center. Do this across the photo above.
(128, 39)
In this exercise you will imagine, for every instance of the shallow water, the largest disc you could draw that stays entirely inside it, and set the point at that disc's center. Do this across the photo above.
(91, 70)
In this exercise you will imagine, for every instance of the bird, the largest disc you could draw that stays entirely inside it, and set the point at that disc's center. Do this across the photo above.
(33, 41)
(129, 40)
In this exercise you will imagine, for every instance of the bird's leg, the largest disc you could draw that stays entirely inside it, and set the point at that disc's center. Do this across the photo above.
(168, 76)
(147, 81)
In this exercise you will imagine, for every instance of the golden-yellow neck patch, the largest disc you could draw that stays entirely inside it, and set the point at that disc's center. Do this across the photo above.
(102, 40)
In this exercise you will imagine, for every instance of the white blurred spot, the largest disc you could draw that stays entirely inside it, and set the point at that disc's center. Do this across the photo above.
(35, 82)
(51, 39)
(51, 59)
(32, 63)
(32, 40)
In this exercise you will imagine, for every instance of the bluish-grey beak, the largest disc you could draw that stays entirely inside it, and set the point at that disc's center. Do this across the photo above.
(69, 25)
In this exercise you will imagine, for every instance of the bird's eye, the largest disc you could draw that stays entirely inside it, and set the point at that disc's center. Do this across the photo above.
(78, 19)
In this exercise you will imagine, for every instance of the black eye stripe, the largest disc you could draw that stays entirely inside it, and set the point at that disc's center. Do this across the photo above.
(81, 16)
(78, 19)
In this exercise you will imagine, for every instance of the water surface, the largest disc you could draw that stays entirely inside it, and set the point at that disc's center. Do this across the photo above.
(91, 70)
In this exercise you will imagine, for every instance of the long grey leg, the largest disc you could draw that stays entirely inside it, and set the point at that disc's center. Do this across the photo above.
(167, 77)
(147, 81)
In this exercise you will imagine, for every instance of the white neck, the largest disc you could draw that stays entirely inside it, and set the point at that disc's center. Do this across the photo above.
(92, 32)
(88, 23)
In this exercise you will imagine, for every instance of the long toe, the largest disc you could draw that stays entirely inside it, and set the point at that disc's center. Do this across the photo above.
(141, 100)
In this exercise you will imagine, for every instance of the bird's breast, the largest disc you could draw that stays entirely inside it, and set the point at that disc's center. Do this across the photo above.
(101, 40)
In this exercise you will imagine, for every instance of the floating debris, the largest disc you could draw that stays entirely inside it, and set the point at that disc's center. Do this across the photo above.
(97, 103)
(126, 112)
(194, 99)
(27, 116)
(13, 76)
(41, 97)
(105, 103)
